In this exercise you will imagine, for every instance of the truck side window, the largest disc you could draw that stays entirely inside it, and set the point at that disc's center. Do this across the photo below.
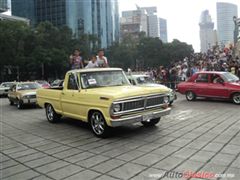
(72, 83)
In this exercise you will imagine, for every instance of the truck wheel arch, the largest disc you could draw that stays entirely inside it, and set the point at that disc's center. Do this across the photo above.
(90, 111)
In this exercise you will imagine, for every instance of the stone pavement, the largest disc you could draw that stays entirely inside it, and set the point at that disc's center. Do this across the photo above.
(200, 136)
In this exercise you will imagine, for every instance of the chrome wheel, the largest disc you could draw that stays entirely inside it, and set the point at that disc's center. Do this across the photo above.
(236, 98)
(52, 116)
(50, 112)
(97, 123)
(190, 96)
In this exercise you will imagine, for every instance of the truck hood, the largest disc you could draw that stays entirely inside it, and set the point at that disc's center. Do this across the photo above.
(120, 92)
(154, 85)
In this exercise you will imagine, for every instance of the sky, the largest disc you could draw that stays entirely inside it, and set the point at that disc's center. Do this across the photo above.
(182, 16)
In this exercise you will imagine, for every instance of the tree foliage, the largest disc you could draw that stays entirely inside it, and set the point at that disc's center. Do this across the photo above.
(43, 52)
(38, 53)
(144, 52)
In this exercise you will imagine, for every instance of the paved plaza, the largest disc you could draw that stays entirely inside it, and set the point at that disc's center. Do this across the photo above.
(200, 136)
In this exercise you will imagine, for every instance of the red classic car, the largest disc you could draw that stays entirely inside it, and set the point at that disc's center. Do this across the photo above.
(211, 84)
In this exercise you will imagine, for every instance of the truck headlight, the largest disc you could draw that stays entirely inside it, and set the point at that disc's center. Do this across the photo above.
(116, 107)
(166, 99)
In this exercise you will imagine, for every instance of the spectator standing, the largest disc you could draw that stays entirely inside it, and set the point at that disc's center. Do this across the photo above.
(75, 60)
(101, 59)
(184, 73)
(93, 62)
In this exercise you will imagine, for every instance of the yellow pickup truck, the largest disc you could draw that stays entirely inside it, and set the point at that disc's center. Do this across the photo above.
(104, 98)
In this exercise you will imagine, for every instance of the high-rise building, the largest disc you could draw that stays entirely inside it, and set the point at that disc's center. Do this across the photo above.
(163, 30)
(4, 17)
(225, 24)
(82, 17)
(215, 37)
(206, 31)
(153, 22)
(133, 22)
(3, 5)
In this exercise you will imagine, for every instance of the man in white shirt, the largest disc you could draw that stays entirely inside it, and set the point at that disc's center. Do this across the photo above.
(101, 59)
(93, 62)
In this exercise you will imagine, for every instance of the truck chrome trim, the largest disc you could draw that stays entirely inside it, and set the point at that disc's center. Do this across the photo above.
(139, 118)
(137, 100)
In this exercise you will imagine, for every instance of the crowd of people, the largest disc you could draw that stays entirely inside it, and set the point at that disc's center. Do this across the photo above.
(214, 60)
(181, 70)
(76, 61)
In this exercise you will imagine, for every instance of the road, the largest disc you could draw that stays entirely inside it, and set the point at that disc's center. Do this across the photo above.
(200, 136)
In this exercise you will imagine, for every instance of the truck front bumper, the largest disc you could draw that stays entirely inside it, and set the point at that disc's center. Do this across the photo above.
(140, 118)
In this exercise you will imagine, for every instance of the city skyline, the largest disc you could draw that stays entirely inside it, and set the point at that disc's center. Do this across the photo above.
(92, 17)
(181, 10)
(183, 16)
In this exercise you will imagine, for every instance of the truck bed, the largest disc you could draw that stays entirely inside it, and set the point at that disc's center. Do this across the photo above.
(52, 96)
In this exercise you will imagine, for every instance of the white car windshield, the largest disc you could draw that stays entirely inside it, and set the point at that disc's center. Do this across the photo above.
(6, 84)
(229, 77)
(144, 80)
(27, 86)
(103, 79)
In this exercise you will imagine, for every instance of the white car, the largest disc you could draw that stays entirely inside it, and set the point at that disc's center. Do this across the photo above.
(146, 80)
(4, 88)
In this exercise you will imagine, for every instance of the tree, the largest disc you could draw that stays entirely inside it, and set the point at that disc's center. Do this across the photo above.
(40, 52)
(138, 52)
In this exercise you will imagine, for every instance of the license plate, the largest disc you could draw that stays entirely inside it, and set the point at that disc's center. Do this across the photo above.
(31, 101)
(147, 117)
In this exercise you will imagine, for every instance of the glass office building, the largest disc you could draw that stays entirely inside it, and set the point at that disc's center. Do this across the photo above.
(24, 8)
(206, 31)
(225, 24)
(98, 17)
(3, 5)
(163, 30)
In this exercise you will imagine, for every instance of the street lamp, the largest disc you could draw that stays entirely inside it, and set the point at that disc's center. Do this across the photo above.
(236, 34)
(235, 29)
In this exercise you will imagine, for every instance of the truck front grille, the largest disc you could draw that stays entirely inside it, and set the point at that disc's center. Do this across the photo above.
(133, 105)
(155, 101)
(141, 103)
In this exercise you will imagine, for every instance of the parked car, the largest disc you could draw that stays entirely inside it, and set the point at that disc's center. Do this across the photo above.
(4, 88)
(23, 93)
(146, 80)
(58, 83)
(222, 85)
(104, 98)
(43, 84)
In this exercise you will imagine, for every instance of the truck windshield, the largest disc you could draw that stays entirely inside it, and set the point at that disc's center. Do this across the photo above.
(103, 79)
